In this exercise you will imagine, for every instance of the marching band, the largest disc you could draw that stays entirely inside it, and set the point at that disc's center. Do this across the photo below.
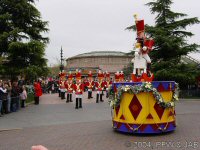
(73, 84)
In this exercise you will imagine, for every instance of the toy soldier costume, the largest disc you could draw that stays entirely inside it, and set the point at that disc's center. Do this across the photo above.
(90, 85)
(78, 88)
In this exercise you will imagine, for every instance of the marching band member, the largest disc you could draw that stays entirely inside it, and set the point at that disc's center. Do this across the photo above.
(117, 75)
(78, 89)
(90, 85)
(62, 84)
(107, 84)
(100, 75)
(121, 76)
(69, 87)
(99, 86)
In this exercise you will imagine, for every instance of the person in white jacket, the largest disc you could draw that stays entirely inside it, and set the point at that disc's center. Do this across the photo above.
(23, 97)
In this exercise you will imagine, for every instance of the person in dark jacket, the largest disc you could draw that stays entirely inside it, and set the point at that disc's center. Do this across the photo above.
(3, 99)
(15, 92)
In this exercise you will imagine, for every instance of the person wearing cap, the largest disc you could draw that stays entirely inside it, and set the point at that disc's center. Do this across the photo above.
(90, 84)
(107, 84)
(99, 87)
(69, 88)
(145, 45)
(62, 84)
(117, 75)
(78, 89)
(121, 76)
(78, 74)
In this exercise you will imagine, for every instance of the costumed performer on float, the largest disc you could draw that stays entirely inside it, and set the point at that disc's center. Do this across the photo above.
(143, 45)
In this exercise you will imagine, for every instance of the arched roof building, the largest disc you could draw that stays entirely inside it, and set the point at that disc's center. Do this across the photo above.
(111, 61)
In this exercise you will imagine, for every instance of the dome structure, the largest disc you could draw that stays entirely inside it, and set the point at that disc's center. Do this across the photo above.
(111, 61)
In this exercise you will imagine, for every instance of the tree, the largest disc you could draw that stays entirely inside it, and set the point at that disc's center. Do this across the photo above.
(21, 39)
(170, 33)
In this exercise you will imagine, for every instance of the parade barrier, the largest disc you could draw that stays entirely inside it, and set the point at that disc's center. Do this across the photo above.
(143, 107)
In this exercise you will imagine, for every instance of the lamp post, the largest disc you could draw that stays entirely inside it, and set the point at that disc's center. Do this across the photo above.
(61, 60)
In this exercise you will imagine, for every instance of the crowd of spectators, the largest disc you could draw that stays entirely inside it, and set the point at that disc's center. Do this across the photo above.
(12, 96)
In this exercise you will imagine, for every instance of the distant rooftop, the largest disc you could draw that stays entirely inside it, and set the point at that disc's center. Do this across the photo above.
(101, 53)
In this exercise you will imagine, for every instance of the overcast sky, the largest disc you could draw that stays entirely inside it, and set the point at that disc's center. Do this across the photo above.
(81, 26)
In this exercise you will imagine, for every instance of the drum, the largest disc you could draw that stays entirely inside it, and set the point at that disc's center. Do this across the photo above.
(144, 108)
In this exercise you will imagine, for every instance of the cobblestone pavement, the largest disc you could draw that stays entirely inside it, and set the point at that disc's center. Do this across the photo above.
(59, 126)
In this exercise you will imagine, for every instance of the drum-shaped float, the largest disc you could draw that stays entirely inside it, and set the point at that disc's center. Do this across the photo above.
(144, 107)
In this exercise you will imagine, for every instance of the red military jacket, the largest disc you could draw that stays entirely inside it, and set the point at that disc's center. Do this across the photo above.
(121, 77)
(107, 83)
(62, 84)
(117, 76)
(78, 88)
(69, 87)
(89, 84)
(99, 86)
(149, 43)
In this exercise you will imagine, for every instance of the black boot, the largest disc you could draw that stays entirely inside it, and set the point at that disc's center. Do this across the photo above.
(59, 95)
(97, 100)
(70, 97)
(91, 94)
(88, 94)
(101, 97)
(76, 103)
(67, 101)
(80, 102)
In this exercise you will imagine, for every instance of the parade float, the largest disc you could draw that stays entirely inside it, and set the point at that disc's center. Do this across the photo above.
(143, 106)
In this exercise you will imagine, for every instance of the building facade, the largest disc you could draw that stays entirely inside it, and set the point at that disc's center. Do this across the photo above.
(111, 61)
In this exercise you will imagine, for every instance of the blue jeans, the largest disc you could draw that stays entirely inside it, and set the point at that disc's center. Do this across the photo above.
(9, 102)
(18, 102)
(0, 105)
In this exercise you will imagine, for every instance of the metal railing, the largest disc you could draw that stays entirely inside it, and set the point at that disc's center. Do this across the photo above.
(190, 94)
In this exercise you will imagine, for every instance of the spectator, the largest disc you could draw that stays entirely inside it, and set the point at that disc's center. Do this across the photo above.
(8, 87)
(23, 96)
(38, 92)
(15, 97)
(2, 98)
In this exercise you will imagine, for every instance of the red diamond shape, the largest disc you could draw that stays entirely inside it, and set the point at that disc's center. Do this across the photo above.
(142, 127)
(117, 109)
(135, 107)
(122, 117)
(154, 127)
(149, 116)
(170, 114)
(159, 110)
(160, 88)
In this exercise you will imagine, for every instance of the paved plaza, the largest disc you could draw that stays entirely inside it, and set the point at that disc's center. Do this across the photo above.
(59, 126)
